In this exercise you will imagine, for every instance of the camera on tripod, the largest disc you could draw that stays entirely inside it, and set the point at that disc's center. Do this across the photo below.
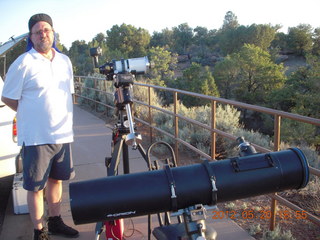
(134, 66)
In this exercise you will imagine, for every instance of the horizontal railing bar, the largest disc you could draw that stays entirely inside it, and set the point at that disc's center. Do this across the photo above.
(101, 103)
(314, 171)
(292, 206)
(178, 139)
(158, 129)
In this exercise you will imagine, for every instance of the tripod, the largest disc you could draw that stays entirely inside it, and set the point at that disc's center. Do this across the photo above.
(124, 134)
(122, 137)
(122, 73)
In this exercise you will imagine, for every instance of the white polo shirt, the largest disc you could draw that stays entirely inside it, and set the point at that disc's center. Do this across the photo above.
(43, 89)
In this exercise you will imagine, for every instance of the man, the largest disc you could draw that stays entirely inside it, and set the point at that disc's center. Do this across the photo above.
(39, 86)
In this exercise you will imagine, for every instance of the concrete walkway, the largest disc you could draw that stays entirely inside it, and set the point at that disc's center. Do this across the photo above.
(91, 146)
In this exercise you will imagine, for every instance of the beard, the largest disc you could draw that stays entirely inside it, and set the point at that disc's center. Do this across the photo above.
(43, 46)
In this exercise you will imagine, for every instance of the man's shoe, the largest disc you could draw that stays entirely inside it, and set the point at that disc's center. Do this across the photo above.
(57, 227)
(40, 234)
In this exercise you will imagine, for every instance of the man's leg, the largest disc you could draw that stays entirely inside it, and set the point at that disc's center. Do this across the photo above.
(62, 169)
(53, 196)
(35, 204)
(56, 225)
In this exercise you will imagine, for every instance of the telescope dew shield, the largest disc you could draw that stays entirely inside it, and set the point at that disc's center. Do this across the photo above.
(152, 192)
(132, 65)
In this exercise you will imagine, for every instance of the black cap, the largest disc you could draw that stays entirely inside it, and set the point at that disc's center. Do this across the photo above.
(38, 18)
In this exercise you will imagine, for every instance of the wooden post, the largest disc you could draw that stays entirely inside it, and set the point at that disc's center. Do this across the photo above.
(277, 125)
(150, 113)
(176, 125)
(213, 126)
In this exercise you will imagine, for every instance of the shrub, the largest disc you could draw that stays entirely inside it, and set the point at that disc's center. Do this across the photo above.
(254, 229)
(277, 234)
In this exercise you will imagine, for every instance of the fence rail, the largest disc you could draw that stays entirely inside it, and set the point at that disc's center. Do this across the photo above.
(277, 115)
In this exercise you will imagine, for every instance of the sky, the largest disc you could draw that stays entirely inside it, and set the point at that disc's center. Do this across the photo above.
(84, 19)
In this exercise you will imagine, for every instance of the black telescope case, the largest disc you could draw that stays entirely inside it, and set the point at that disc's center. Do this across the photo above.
(176, 188)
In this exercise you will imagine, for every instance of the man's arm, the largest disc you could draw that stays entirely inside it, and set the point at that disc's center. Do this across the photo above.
(11, 103)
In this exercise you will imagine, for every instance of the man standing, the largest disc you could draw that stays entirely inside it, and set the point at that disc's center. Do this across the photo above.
(39, 86)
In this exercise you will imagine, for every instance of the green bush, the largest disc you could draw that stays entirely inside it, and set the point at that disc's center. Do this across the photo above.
(254, 229)
(299, 133)
(227, 120)
(277, 234)
(310, 153)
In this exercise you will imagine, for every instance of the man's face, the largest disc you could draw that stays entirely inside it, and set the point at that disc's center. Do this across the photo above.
(42, 37)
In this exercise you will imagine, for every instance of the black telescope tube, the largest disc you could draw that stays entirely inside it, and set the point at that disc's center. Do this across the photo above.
(150, 192)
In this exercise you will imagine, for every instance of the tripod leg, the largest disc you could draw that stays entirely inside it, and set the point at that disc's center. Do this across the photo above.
(143, 153)
(99, 229)
(115, 158)
(125, 158)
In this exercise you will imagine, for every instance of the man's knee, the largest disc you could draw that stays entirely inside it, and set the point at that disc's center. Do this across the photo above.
(54, 181)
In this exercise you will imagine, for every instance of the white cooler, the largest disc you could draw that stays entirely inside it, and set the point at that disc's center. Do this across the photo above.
(19, 194)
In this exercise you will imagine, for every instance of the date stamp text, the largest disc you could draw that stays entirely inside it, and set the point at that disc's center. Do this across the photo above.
(260, 214)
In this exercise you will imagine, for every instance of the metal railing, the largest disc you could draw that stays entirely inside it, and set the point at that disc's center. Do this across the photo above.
(277, 115)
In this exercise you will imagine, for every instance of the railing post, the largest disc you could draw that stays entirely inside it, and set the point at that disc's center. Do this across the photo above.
(213, 126)
(95, 95)
(80, 87)
(150, 113)
(176, 125)
(75, 83)
(277, 125)
(105, 97)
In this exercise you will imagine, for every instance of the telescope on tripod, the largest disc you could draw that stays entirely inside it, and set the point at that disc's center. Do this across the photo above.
(123, 72)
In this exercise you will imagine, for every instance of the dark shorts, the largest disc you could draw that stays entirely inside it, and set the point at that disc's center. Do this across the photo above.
(46, 161)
